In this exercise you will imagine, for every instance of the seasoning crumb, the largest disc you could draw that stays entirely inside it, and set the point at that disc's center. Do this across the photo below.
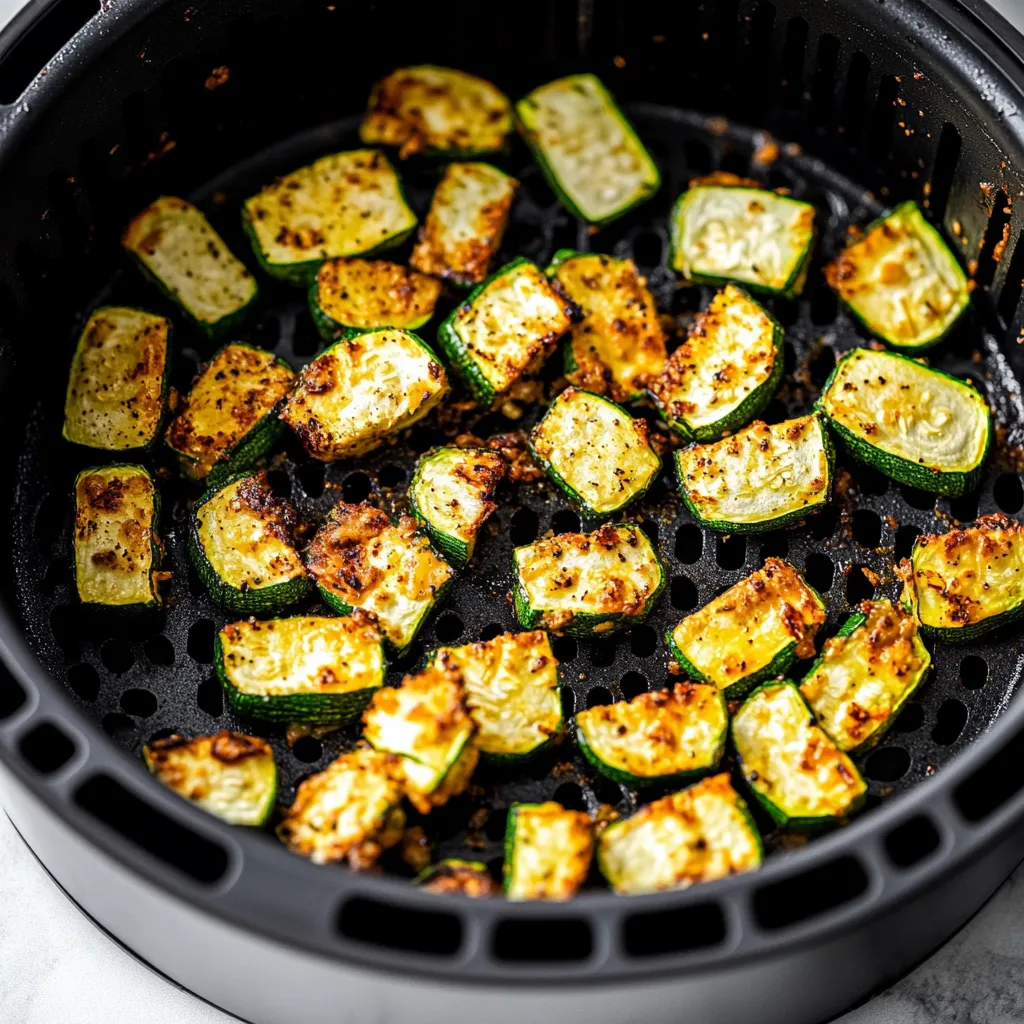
(219, 76)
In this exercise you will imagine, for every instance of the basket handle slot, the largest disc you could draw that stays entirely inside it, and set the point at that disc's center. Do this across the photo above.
(376, 923)
(684, 929)
(542, 940)
(810, 893)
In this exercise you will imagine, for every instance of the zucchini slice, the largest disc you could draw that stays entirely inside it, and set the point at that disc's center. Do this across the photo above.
(505, 329)
(363, 389)
(359, 559)
(241, 545)
(451, 875)
(754, 236)
(425, 723)
(311, 670)
(754, 631)
(901, 280)
(911, 422)
(697, 835)
(230, 418)
(669, 736)
(586, 584)
(762, 478)
(368, 294)
(726, 371)
(439, 111)
(345, 204)
(548, 850)
(466, 223)
(349, 811)
(512, 692)
(175, 247)
(964, 583)
(865, 674)
(595, 452)
(619, 345)
(118, 385)
(587, 149)
(798, 774)
(117, 551)
(452, 494)
(230, 775)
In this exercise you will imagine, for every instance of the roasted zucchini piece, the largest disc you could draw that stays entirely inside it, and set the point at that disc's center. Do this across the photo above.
(117, 552)
(349, 811)
(438, 111)
(726, 371)
(697, 835)
(548, 850)
(587, 149)
(359, 559)
(230, 417)
(619, 345)
(466, 222)
(452, 494)
(311, 670)
(964, 583)
(118, 385)
(175, 247)
(596, 453)
(505, 329)
(425, 723)
(345, 204)
(587, 584)
(363, 389)
(762, 478)
(230, 775)
(901, 280)
(669, 736)
(451, 875)
(512, 692)
(241, 545)
(800, 777)
(754, 236)
(754, 631)
(865, 674)
(911, 422)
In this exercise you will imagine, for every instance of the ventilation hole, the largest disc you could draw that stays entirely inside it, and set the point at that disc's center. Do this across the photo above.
(118, 727)
(792, 62)
(697, 155)
(565, 521)
(210, 697)
(64, 627)
(1013, 283)
(84, 680)
(423, 438)
(650, 531)
(809, 893)
(787, 312)
(47, 748)
(565, 648)
(910, 719)
(159, 650)
(947, 156)
(824, 524)
(568, 703)
(918, 499)
(689, 543)
(774, 545)
(308, 749)
(949, 722)
(602, 652)
(911, 842)
(643, 641)
(375, 923)
(597, 696)
(1008, 493)
(880, 135)
(570, 796)
(355, 488)
(632, 685)
(995, 782)
(491, 630)
(683, 593)
(138, 703)
(390, 476)
(310, 477)
(824, 310)
(824, 82)
(731, 552)
(543, 940)
(887, 764)
(196, 587)
(851, 117)
(965, 508)
(973, 672)
(674, 931)
(858, 586)
(819, 571)
(904, 543)
(867, 528)
(116, 655)
(647, 249)
(870, 481)
(998, 223)
(449, 628)
(280, 483)
(200, 641)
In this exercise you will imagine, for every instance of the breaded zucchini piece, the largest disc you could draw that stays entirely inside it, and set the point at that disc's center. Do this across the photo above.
(548, 850)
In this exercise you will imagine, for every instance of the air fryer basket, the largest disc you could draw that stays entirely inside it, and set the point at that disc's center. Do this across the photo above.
(871, 104)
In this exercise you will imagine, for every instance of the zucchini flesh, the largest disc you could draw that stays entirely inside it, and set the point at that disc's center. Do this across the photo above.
(754, 631)
(901, 280)
(359, 559)
(595, 452)
(451, 875)
(619, 345)
(587, 149)
(505, 329)
(913, 423)
(512, 692)
(964, 583)
(361, 390)
(349, 811)
(117, 388)
(229, 775)
(697, 835)
(866, 673)
(452, 494)
(312, 670)
(345, 204)
(229, 419)
(116, 547)
(548, 850)
(801, 778)
(177, 249)
(466, 222)
(751, 235)
(429, 109)
(584, 584)
(668, 736)
(762, 478)
(726, 371)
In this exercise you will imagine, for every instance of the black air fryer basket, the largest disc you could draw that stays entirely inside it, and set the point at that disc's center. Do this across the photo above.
(871, 103)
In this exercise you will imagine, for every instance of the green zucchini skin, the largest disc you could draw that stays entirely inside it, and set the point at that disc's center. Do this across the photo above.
(638, 781)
